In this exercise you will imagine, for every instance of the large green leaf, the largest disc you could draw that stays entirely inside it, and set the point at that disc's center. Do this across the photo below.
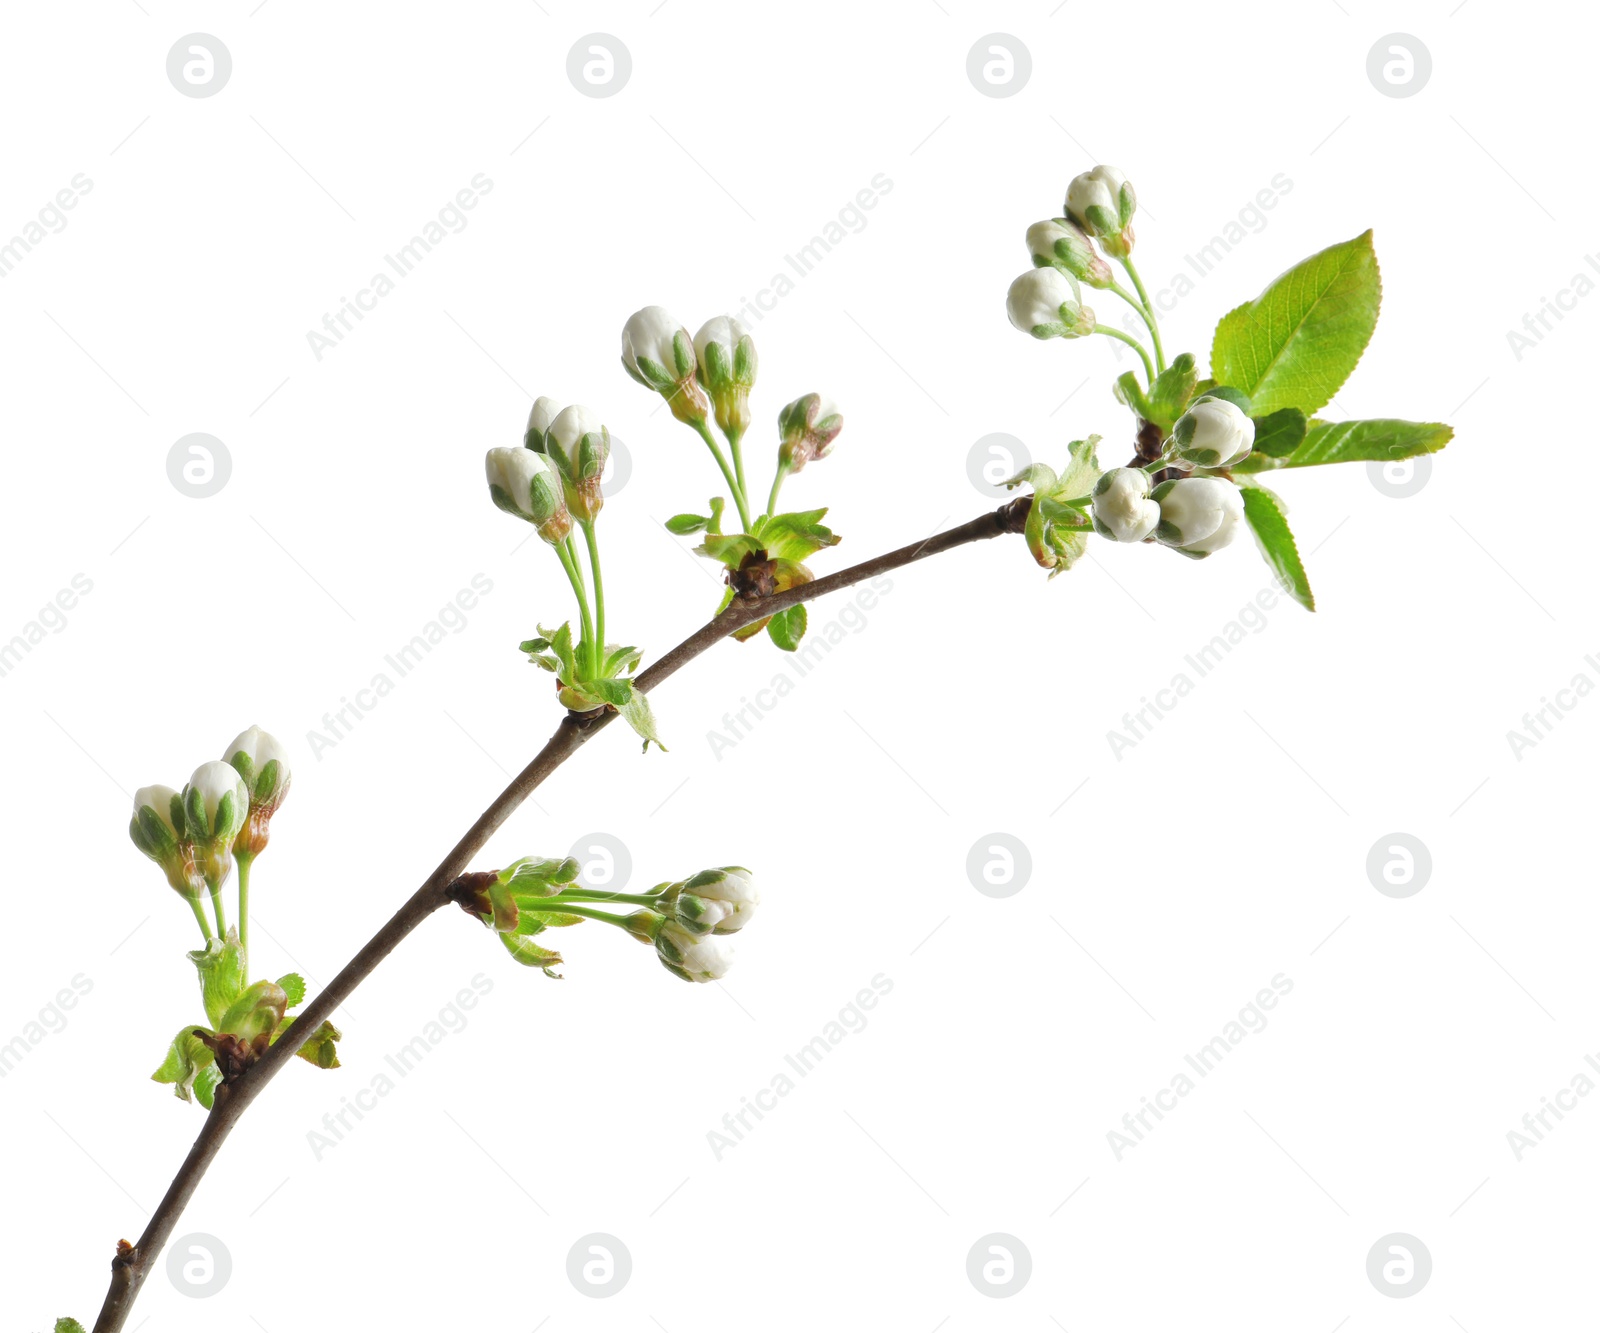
(1296, 343)
(1380, 440)
(1264, 512)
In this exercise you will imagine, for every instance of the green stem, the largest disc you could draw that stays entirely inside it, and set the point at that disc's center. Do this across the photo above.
(777, 485)
(735, 439)
(1134, 343)
(1144, 314)
(594, 895)
(1149, 312)
(566, 552)
(216, 906)
(727, 473)
(578, 909)
(599, 593)
(244, 908)
(200, 916)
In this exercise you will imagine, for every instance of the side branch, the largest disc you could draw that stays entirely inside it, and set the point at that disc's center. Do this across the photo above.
(133, 1263)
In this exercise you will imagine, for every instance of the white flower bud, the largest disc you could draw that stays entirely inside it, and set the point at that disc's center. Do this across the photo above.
(1102, 202)
(719, 901)
(264, 765)
(1044, 302)
(1199, 515)
(693, 957)
(726, 356)
(215, 804)
(539, 419)
(659, 353)
(1123, 509)
(1214, 433)
(1061, 243)
(569, 426)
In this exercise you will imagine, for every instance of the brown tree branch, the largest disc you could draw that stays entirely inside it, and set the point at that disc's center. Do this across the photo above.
(133, 1263)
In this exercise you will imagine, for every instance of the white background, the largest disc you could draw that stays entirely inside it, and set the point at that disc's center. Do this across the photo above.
(1168, 885)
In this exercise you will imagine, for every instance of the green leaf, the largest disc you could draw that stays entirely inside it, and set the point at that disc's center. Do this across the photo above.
(1380, 440)
(620, 660)
(538, 920)
(1264, 511)
(795, 536)
(543, 877)
(319, 1048)
(1296, 343)
(186, 1067)
(294, 986)
(65, 1325)
(682, 525)
(561, 645)
(730, 550)
(613, 692)
(636, 713)
(221, 965)
(1171, 392)
(259, 1009)
(1278, 434)
(1128, 390)
(529, 954)
(787, 628)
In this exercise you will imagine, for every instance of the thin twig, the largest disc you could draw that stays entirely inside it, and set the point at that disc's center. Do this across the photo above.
(133, 1263)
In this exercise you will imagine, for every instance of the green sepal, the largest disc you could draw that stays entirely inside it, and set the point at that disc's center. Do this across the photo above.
(1296, 343)
(529, 954)
(190, 1067)
(1264, 511)
(221, 965)
(787, 628)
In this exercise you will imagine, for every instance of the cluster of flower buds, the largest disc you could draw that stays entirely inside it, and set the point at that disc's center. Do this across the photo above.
(807, 429)
(726, 356)
(658, 352)
(1195, 515)
(1102, 203)
(1046, 302)
(223, 812)
(687, 921)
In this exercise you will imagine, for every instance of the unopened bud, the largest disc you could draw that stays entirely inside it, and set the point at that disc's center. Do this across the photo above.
(1044, 302)
(1061, 243)
(263, 763)
(157, 830)
(726, 355)
(215, 805)
(1102, 202)
(658, 352)
(578, 443)
(807, 428)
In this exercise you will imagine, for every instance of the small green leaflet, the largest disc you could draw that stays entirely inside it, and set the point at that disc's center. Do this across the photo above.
(787, 628)
(1278, 434)
(1296, 343)
(222, 976)
(1264, 511)
(681, 525)
(529, 954)
(294, 986)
